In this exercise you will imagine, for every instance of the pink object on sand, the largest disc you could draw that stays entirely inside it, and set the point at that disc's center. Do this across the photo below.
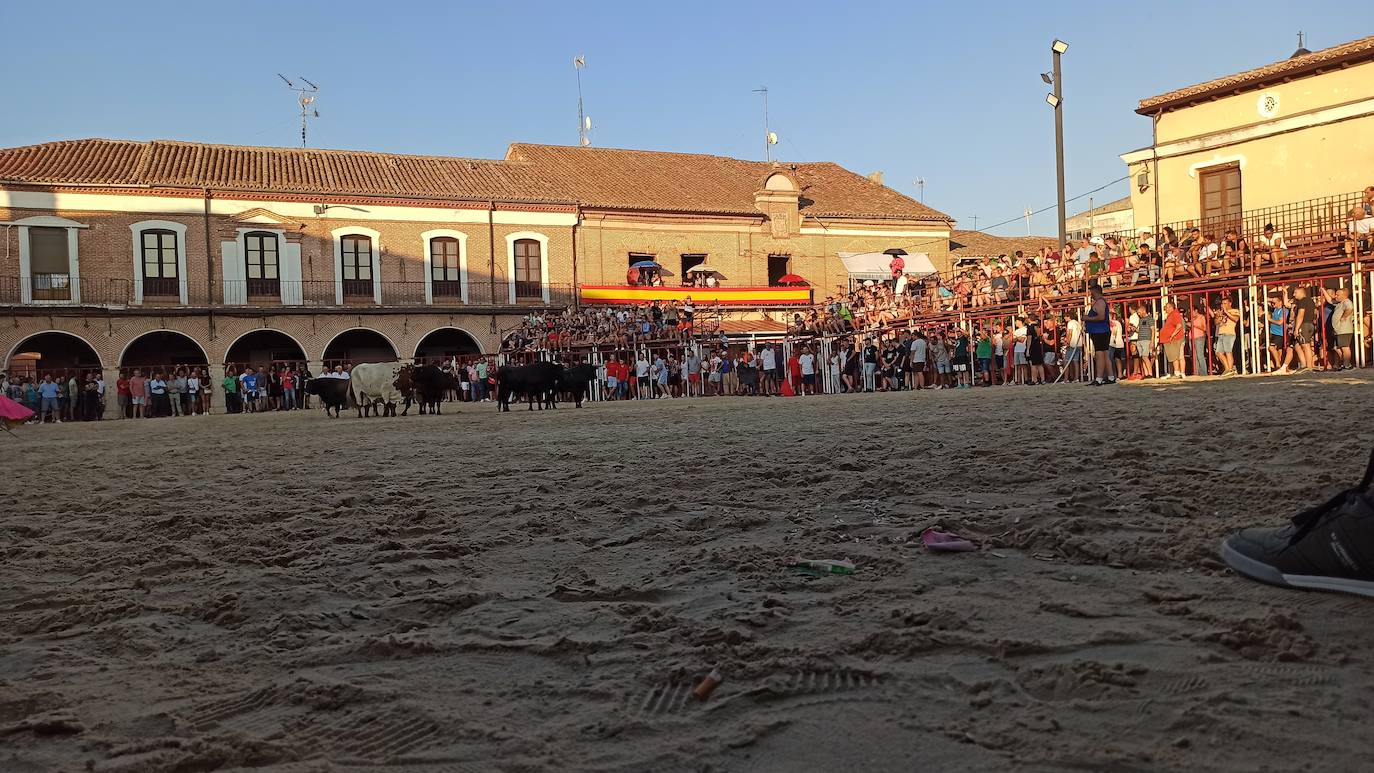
(945, 542)
(12, 413)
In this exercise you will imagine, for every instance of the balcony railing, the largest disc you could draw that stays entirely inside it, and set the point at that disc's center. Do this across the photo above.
(51, 289)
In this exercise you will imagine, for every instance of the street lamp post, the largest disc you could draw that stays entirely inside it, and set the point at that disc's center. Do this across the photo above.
(1056, 101)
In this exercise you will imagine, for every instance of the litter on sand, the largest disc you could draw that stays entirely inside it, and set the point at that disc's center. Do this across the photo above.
(823, 565)
(944, 542)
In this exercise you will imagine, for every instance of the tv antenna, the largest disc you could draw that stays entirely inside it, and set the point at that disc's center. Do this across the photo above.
(1027, 215)
(305, 96)
(769, 138)
(584, 121)
(921, 184)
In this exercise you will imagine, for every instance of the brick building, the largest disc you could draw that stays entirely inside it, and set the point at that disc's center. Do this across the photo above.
(122, 253)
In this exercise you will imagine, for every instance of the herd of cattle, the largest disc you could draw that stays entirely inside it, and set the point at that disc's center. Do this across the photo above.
(376, 388)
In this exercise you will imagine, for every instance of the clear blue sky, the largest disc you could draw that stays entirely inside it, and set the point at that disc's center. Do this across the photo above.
(946, 92)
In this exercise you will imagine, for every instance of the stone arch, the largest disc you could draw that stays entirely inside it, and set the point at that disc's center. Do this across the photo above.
(55, 350)
(447, 340)
(360, 344)
(261, 346)
(162, 349)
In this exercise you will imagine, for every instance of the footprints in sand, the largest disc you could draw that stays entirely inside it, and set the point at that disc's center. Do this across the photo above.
(674, 697)
(303, 714)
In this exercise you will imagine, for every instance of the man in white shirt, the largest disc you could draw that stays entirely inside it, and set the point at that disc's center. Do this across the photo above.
(1270, 244)
(642, 377)
(808, 371)
(770, 368)
(1360, 227)
(1073, 354)
(917, 372)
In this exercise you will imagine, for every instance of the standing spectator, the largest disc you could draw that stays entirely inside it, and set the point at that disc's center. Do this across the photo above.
(1098, 325)
(174, 390)
(1073, 348)
(962, 376)
(205, 389)
(138, 394)
(193, 393)
(1227, 317)
(919, 348)
(47, 393)
(1343, 323)
(982, 351)
(231, 393)
(1035, 351)
(248, 390)
(1020, 336)
(870, 365)
(100, 388)
(157, 391)
(691, 364)
(1143, 334)
(772, 368)
(287, 377)
(1197, 337)
(122, 393)
(1278, 338)
(1171, 338)
(1304, 326)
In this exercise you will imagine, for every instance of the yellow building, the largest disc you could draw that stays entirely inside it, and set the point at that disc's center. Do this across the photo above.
(1297, 130)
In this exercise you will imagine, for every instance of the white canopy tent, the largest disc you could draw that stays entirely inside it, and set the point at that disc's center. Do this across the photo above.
(877, 265)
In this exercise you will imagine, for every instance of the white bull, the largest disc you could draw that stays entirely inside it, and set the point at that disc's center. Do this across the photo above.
(375, 382)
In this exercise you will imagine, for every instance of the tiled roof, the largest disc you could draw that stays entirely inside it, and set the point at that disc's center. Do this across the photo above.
(693, 182)
(976, 244)
(628, 179)
(163, 163)
(1288, 68)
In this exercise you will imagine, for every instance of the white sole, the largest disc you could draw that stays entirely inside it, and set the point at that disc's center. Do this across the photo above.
(1267, 574)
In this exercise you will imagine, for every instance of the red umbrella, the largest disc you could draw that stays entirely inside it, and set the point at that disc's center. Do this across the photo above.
(791, 279)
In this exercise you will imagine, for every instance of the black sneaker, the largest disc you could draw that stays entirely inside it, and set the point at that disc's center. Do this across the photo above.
(1329, 548)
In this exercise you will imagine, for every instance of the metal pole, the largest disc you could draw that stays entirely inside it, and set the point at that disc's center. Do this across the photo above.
(1059, 144)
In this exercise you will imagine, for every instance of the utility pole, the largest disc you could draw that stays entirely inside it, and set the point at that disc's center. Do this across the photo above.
(1056, 100)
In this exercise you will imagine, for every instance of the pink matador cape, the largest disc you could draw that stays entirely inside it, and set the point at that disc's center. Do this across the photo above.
(13, 414)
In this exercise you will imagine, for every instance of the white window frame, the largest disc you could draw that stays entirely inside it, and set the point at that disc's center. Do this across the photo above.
(179, 229)
(543, 240)
(25, 260)
(338, 234)
(429, 236)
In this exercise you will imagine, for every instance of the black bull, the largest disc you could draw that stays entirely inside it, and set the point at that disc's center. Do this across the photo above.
(333, 392)
(541, 382)
(430, 384)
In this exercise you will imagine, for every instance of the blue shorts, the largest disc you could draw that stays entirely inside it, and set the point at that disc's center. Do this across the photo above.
(942, 367)
(984, 364)
(1073, 354)
(1226, 343)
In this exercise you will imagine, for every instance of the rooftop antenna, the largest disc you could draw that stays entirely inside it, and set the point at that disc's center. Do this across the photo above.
(769, 138)
(975, 222)
(1027, 215)
(305, 96)
(584, 121)
(921, 184)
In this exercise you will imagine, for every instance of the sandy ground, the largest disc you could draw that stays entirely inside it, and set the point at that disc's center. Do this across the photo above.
(539, 591)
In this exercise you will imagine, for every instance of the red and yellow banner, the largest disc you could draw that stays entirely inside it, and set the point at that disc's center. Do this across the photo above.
(701, 296)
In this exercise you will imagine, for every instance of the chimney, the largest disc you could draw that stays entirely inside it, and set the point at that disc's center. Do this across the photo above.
(876, 177)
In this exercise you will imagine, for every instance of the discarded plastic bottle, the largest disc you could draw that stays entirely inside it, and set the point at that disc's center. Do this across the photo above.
(824, 565)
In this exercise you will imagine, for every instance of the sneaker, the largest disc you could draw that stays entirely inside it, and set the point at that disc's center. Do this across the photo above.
(1329, 547)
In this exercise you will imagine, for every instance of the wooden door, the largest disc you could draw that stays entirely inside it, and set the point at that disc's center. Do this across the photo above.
(1221, 208)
